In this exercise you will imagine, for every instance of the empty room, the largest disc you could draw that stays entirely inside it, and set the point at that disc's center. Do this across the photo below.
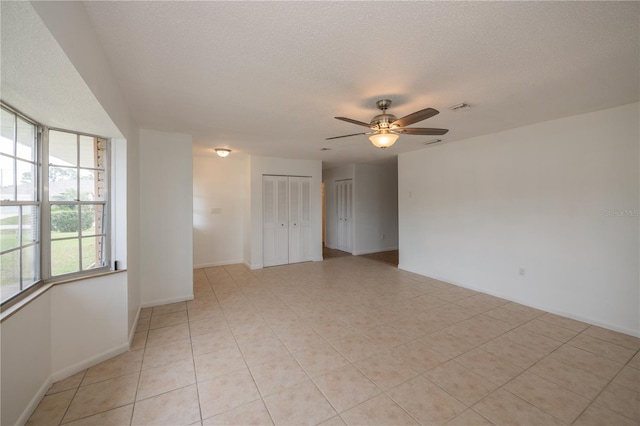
(319, 213)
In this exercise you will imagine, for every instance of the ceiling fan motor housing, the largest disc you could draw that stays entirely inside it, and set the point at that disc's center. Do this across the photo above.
(383, 121)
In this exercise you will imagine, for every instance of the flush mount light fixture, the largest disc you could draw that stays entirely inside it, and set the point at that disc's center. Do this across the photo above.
(383, 139)
(222, 152)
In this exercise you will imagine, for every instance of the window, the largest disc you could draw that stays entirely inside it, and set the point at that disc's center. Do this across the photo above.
(20, 209)
(54, 218)
(77, 200)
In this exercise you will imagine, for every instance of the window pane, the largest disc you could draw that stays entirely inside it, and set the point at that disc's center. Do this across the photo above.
(65, 257)
(63, 148)
(9, 274)
(93, 219)
(26, 140)
(65, 221)
(63, 184)
(92, 185)
(30, 231)
(7, 126)
(88, 152)
(7, 178)
(9, 227)
(26, 181)
(30, 266)
(92, 249)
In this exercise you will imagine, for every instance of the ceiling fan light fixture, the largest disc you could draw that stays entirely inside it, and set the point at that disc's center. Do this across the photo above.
(383, 140)
(222, 152)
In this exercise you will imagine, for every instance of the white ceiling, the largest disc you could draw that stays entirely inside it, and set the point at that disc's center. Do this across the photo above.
(267, 78)
(38, 79)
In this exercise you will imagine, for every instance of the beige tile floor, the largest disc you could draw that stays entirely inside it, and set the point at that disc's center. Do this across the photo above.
(352, 341)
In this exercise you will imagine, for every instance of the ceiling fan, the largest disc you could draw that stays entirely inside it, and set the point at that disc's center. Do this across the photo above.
(386, 128)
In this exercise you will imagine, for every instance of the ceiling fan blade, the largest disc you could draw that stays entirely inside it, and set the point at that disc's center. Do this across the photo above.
(346, 136)
(350, 120)
(423, 114)
(420, 131)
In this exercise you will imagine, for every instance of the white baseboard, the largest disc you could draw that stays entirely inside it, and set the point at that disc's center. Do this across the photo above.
(253, 267)
(224, 263)
(33, 404)
(378, 250)
(134, 327)
(89, 362)
(591, 321)
(166, 301)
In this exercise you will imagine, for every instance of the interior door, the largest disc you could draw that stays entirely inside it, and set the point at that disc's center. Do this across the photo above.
(275, 220)
(286, 219)
(295, 204)
(344, 213)
(299, 219)
(348, 216)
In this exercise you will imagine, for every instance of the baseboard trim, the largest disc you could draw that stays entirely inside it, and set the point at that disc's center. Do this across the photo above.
(591, 321)
(253, 267)
(224, 263)
(33, 404)
(360, 252)
(89, 362)
(134, 327)
(166, 301)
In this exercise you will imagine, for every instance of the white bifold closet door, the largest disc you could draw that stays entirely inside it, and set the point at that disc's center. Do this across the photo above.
(344, 197)
(287, 219)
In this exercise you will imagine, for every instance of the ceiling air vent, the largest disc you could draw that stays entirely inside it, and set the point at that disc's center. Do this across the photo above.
(459, 107)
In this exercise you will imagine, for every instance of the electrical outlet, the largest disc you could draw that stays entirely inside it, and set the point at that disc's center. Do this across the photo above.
(382, 236)
(522, 272)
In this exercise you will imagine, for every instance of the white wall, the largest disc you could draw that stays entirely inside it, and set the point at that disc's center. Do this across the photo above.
(72, 326)
(88, 323)
(286, 167)
(70, 25)
(474, 212)
(166, 217)
(133, 262)
(26, 360)
(246, 216)
(219, 192)
(67, 329)
(375, 205)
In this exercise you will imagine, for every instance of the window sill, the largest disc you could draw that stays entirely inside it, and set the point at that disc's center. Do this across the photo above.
(8, 312)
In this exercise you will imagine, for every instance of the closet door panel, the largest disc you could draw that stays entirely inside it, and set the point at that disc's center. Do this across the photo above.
(270, 224)
(344, 213)
(305, 218)
(282, 238)
(294, 220)
(348, 213)
(286, 219)
(275, 244)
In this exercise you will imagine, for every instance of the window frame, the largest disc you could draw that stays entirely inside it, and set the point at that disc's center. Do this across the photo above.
(36, 202)
(106, 203)
(41, 184)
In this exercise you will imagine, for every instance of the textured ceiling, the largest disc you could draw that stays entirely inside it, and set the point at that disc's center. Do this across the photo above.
(57, 97)
(267, 78)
